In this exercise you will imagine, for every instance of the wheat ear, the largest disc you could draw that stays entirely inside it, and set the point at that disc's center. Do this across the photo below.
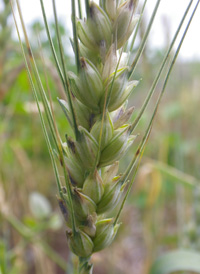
(96, 110)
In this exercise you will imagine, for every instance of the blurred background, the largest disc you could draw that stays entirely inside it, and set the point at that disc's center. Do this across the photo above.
(163, 210)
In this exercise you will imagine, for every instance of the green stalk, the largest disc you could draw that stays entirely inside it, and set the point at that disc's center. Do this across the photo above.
(57, 133)
(143, 43)
(144, 106)
(40, 113)
(66, 79)
(49, 93)
(148, 131)
(54, 256)
(139, 155)
(87, 7)
(131, 165)
(67, 86)
(38, 81)
(76, 46)
(138, 25)
(51, 42)
(84, 265)
(50, 148)
(80, 9)
(27, 234)
(48, 112)
(176, 174)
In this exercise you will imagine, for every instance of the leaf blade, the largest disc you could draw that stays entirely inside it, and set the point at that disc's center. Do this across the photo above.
(178, 260)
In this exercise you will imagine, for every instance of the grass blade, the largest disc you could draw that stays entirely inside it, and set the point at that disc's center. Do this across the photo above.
(178, 260)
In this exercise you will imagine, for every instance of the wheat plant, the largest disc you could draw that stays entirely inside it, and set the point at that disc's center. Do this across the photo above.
(96, 109)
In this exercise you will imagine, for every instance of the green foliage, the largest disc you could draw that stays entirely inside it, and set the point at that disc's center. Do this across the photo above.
(178, 260)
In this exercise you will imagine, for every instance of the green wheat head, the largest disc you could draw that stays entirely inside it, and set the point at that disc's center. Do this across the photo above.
(96, 108)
